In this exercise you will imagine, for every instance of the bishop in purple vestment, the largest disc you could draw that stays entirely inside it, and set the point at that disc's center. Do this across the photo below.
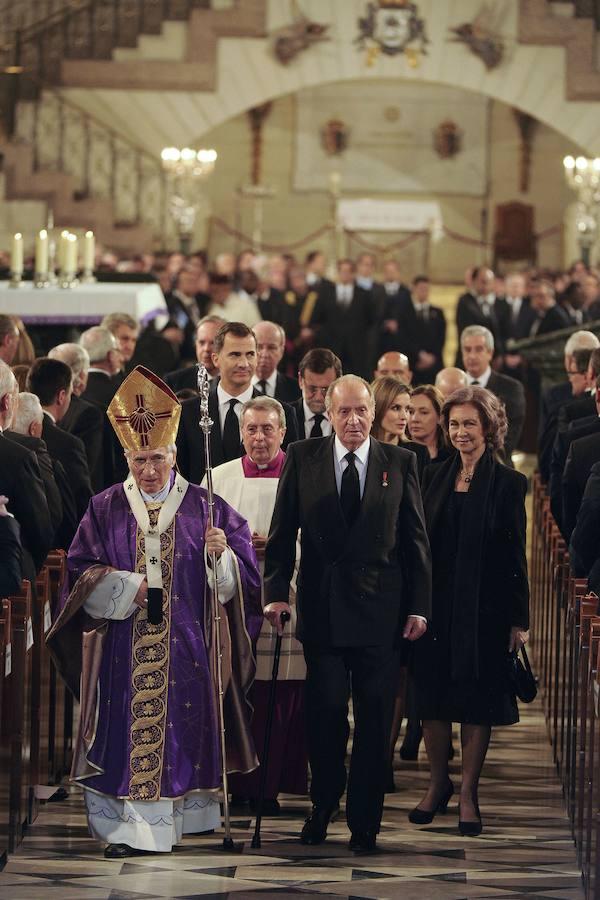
(148, 752)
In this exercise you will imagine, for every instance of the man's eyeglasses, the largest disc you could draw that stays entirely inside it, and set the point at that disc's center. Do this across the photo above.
(155, 462)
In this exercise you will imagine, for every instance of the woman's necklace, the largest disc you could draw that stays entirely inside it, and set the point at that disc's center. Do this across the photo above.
(466, 475)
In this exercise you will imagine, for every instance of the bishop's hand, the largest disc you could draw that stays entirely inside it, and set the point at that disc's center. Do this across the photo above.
(216, 541)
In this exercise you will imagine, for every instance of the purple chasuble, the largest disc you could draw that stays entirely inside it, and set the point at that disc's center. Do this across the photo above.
(157, 734)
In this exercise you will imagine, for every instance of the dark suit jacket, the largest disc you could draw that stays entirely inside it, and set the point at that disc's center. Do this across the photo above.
(298, 410)
(554, 319)
(11, 556)
(349, 332)
(518, 328)
(191, 460)
(287, 390)
(54, 478)
(575, 409)
(355, 585)
(100, 389)
(468, 312)
(182, 379)
(416, 334)
(584, 549)
(86, 421)
(560, 451)
(270, 305)
(511, 392)
(584, 453)
(70, 452)
(21, 482)
(552, 400)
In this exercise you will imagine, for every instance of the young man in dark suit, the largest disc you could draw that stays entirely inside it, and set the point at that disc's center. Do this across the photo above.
(477, 350)
(422, 332)
(364, 585)
(235, 355)
(267, 380)
(549, 315)
(354, 318)
(52, 381)
(318, 369)
(478, 306)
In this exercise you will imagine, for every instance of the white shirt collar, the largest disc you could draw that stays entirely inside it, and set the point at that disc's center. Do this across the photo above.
(483, 379)
(50, 416)
(308, 413)
(159, 496)
(361, 453)
(271, 380)
(223, 397)
(102, 371)
(311, 278)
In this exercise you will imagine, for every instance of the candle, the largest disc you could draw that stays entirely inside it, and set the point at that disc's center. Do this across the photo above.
(89, 251)
(71, 255)
(62, 249)
(41, 253)
(17, 254)
(334, 183)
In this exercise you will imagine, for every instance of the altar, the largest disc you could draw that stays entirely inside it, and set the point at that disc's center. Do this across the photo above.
(83, 305)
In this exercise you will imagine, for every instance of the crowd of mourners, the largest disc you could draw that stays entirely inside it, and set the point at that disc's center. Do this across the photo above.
(301, 331)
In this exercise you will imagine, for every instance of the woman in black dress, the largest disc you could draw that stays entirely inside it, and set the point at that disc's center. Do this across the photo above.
(425, 427)
(475, 513)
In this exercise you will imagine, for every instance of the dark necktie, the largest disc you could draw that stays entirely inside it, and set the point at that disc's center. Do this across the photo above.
(262, 386)
(316, 431)
(231, 433)
(475, 383)
(350, 490)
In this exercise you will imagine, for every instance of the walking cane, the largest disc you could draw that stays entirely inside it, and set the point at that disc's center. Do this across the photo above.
(206, 424)
(265, 755)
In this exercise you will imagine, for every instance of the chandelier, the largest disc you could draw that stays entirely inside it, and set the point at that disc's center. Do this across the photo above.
(186, 169)
(583, 176)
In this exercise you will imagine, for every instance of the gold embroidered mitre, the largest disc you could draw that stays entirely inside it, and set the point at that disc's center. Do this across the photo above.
(144, 412)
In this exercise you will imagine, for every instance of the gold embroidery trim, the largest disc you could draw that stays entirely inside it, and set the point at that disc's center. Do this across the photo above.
(308, 308)
(150, 676)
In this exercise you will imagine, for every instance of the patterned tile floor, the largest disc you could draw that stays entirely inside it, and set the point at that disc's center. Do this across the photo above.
(525, 849)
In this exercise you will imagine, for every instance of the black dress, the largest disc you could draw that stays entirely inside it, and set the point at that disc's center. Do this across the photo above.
(446, 689)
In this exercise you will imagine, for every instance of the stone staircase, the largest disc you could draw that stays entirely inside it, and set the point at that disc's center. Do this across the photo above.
(82, 47)
(540, 24)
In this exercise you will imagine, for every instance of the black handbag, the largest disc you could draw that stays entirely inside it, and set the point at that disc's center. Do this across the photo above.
(521, 677)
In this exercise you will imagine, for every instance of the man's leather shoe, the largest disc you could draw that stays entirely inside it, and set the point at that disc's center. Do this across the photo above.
(363, 841)
(121, 851)
(315, 827)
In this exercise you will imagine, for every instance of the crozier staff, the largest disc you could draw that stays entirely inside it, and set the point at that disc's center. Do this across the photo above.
(147, 753)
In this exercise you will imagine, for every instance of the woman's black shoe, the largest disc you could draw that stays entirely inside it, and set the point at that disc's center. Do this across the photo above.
(470, 829)
(425, 816)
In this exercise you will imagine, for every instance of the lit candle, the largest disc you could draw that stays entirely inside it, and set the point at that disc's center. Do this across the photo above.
(71, 255)
(41, 253)
(89, 251)
(334, 183)
(62, 250)
(17, 254)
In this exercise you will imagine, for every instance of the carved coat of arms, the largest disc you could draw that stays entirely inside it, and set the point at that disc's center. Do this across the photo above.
(390, 27)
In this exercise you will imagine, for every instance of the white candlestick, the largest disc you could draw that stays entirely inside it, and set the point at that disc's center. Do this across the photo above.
(41, 253)
(89, 251)
(16, 261)
(71, 255)
(62, 250)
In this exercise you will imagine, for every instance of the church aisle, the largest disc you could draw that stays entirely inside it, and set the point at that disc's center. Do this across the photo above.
(525, 849)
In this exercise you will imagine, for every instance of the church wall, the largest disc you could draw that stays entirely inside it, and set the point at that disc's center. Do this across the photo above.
(290, 215)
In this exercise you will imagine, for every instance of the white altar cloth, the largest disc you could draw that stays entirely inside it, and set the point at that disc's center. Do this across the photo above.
(85, 304)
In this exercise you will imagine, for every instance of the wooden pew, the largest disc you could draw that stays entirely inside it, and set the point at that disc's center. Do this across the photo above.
(588, 614)
(591, 780)
(20, 694)
(61, 704)
(40, 690)
(5, 637)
